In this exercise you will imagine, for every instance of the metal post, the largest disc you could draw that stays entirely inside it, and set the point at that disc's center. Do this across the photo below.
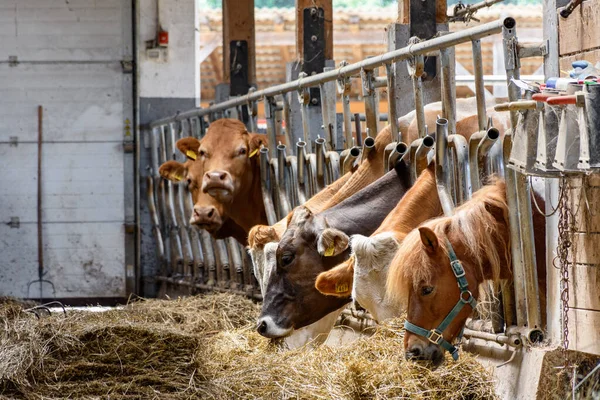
(448, 88)
(371, 101)
(442, 166)
(390, 70)
(270, 110)
(417, 69)
(479, 87)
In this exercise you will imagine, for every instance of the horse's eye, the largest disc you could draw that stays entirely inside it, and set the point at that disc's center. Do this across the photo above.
(242, 151)
(426, 290)
(287, 259)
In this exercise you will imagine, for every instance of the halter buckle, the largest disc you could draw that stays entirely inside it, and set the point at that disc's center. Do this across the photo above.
(457, 268)
(435, 337)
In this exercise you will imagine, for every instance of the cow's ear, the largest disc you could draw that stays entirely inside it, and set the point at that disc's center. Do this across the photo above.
(429, 239)
(332, 242)
(256, 141)
(337, 281)
(173, 171)
(189, 147)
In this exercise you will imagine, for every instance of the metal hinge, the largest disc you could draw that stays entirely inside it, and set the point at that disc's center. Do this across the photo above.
(127, 66)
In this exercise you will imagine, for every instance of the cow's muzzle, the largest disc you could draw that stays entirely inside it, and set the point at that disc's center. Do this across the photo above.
(218, 184)
(206, 218)
(268, 328)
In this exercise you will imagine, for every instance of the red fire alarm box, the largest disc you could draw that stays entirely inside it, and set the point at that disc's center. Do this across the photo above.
(163, 39)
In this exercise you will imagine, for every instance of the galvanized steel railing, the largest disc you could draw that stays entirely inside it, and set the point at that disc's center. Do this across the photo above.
(292, 174)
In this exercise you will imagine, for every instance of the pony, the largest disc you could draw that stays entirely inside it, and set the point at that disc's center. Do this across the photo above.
(424, 273)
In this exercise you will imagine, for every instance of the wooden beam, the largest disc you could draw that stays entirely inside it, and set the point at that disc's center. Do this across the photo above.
(404, 12)
(238, 24)
(327, 7)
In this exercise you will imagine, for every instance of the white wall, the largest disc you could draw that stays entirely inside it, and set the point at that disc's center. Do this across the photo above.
(179, 77)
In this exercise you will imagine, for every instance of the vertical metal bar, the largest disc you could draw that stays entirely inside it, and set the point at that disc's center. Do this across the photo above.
(461, 156)
(288, 125)
(479, 87)
(448, 88)
(370, 98)
(270, 107)
(266, 186)
(40, 237)
(442, 167)
(390, 70)
(515, 236)
(358, 129)
(420, 111)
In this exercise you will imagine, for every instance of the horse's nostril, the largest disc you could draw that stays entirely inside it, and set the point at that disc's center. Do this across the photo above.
(413, 353)
(262, 327)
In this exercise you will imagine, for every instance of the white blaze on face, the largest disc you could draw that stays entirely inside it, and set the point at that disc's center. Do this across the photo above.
(372, 259)
(265, 263)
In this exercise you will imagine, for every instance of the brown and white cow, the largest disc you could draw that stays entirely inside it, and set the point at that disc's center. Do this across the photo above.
(291, 300)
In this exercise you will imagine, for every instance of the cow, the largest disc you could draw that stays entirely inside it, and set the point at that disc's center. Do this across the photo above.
(291, 300)
(187, 173)
(364, 274)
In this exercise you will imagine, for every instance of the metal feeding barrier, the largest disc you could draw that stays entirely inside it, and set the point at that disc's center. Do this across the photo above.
(291, 172)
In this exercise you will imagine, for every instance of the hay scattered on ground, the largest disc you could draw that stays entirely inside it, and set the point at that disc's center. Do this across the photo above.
(206, 347)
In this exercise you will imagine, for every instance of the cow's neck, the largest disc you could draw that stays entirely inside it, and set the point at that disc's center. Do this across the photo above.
(363, 212)
(419, 204)
(248, 209)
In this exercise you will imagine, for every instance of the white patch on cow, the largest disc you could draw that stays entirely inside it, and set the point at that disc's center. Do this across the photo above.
(300, 215)
(272, 329)
(373, 256)
(332, 240)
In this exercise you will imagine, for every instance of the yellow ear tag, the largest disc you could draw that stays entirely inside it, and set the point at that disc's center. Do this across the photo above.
(191, 154)
(329, 251)
(176, 177)
(341, 287)
(253, 153)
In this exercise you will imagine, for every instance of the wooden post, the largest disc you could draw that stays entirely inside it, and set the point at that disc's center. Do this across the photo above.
(238, 26)
(398, 35)
(327, 7)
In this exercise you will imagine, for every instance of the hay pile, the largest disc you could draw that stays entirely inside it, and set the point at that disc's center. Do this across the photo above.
(206, 347)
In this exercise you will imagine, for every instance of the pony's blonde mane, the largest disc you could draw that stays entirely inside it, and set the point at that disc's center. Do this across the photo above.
(481, 225)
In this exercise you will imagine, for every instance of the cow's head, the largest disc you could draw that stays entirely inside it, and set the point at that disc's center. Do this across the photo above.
(365, 274)
(307, 248)
(207, 211)
(229, 156)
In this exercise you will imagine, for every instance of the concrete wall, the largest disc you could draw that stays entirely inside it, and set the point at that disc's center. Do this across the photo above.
(68, 60)
(164, 88)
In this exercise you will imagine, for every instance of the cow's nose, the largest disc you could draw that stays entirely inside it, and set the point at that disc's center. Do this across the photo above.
(218, 184)
(217, 175)
(262, 327)
(206, 217)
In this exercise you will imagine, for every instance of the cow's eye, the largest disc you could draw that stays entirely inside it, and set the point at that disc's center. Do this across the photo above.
(202, 153)
(426, 290)
(287, 259)
(242, 151)
(189, 181)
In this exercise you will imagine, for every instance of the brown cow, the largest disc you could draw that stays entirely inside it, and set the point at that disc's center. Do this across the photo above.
(190, 172)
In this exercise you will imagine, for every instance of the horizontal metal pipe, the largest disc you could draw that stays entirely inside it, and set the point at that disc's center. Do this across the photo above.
(471, 8)
(533, 335)
(380, 81)
(513, 340)
(201, 286)
(412, 50)
(519, 105)
(362, 117)
(352, 155)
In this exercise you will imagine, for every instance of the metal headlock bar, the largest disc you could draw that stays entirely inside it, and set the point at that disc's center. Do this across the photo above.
(293, 172)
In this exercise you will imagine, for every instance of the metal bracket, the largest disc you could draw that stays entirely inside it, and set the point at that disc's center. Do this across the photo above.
(14, 222)
(127, 66)
(14, 141)
(423, 25)
(314, 47)
(13, 61)
(532, 50)
(238, 67)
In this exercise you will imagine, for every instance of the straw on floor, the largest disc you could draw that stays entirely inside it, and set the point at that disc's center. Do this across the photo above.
(206, 347)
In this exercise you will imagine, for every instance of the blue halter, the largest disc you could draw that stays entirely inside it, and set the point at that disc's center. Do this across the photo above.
(466, 297)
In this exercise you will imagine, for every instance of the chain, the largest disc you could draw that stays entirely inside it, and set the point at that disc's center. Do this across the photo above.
(565, 222)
